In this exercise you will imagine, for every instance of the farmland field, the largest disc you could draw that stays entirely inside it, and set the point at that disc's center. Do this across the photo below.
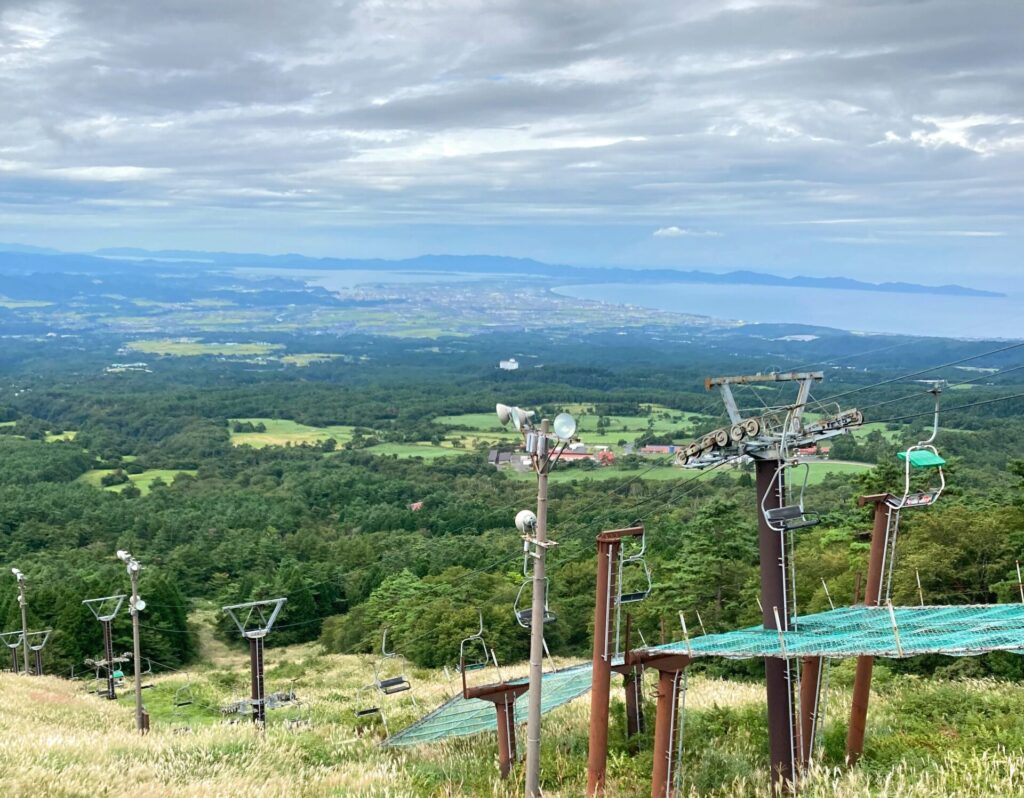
(192, 347)
(281, 432)
(143, 481)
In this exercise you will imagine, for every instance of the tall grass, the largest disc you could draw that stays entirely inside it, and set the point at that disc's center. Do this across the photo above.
(925, 739)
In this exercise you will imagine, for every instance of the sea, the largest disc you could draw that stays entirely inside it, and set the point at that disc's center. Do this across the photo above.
(858, 311)
(869, 312)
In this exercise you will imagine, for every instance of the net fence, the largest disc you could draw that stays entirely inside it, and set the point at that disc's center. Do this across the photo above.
(459, 717)
(877, 631)
(957, 631)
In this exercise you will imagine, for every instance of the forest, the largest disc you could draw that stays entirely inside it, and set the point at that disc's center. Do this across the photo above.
(331, 528)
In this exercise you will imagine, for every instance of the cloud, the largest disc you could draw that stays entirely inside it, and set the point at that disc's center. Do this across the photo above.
(228, 120)
(680, 232)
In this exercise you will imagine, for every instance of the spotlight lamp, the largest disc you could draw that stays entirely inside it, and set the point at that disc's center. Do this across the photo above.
(564, 427)
(526, 521)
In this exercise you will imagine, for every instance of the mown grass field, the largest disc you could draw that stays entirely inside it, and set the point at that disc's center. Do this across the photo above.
(191, 347)
(281, 432)
(143, 481)
(925, 739)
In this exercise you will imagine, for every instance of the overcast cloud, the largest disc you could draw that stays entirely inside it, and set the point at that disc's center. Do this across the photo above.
(804, 137)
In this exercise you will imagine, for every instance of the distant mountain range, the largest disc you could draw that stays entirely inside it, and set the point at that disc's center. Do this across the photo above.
(24, 259)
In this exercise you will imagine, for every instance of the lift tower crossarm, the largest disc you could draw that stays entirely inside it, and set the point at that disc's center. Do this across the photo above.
(805, 378)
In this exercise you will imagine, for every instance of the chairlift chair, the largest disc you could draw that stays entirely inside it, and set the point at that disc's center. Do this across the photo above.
(631, 563)
(390, 679)
(524, 613)
(183, 697)
(789, 516)
(923, 457)
(367, 709)
(475, 642)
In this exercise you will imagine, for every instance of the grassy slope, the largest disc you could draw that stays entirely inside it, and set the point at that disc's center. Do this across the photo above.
(925, 739)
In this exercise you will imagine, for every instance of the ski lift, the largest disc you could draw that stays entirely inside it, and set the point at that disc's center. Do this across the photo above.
(790, 516)
(482, 658)
(923, 457)
(390, 680)
(183, 697)
(524, 613)
(302, 713)
(633, 563)
(366, 710)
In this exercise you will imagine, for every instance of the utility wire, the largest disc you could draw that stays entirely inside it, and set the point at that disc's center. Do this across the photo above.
(891, 380)
(951, 409)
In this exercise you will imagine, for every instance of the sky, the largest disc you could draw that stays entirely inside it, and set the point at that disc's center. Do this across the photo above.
(877, 138)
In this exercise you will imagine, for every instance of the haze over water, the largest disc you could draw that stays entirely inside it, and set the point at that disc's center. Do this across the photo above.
(861, 311)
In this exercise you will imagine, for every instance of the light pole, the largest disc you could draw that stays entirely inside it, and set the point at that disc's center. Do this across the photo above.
(136, 605)
(543, 453)
(24, 613)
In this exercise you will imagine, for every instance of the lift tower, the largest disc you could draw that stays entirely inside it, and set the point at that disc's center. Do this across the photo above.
(768, 439)
(254, 620)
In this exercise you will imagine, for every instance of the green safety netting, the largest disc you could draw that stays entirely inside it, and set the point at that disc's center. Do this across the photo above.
(459, 717)
(876, 631)
(847, 632)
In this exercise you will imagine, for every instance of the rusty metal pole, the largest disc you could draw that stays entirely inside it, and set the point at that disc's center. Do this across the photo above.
(38, 653)
(506, 717)
(865, 665)
(607, 555)
(609, 547)
(810, 690)
(259, 708)
(776, 670)
(670, 671)
(503, 695)
(664, 723)
(632, 682)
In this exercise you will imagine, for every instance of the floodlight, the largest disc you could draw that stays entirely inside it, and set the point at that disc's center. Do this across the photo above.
(18, 574)
(140, 605)
(521, 418)
(526, 521)
(123, 555)
(504, 413)
(564, 426)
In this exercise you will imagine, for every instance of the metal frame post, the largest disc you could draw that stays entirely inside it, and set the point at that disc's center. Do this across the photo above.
(259, 709)
(38, 657)
(669, 668)
(23, 603)
(14, 660)
(140, 723)
(810, 693)
(108, 655)
(777, 671)
(609, 545)
(533, 718)
(135, 606)
(865, 665)
(254, 625)
(632, 683)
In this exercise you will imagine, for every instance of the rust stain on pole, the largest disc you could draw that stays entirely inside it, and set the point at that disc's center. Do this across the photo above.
(865, 665)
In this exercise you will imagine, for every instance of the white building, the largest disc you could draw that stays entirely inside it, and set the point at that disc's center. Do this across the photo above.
(508, 365)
